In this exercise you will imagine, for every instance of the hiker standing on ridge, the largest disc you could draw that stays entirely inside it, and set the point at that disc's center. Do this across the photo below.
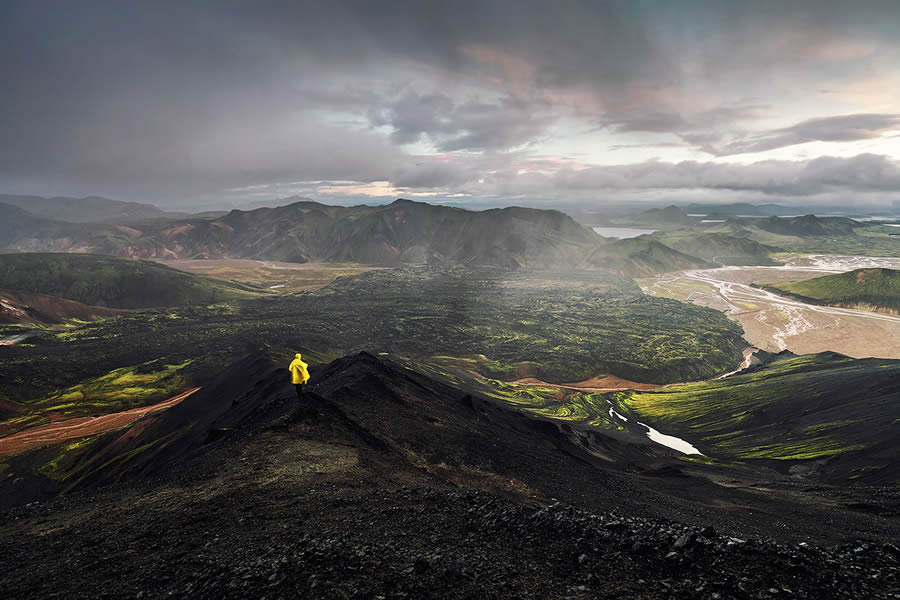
(299, 375)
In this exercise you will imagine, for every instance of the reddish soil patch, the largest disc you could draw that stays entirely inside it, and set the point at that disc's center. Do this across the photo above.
(130, 231)
(600, 383)
(178, 229)
(61, 431)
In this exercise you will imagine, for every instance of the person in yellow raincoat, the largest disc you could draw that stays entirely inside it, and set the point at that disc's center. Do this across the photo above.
(299, 375)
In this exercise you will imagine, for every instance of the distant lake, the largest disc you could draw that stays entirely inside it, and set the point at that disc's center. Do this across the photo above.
(622, 232)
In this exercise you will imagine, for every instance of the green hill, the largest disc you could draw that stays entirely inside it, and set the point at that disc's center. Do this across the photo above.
(112, 282)
(718, 247)
(878, 288)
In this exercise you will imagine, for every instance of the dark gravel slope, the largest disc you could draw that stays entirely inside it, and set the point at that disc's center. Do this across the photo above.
(387, 484)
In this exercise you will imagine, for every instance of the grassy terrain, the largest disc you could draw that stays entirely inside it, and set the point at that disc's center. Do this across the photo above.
(879, 288)
(112, 282)
(795, 409)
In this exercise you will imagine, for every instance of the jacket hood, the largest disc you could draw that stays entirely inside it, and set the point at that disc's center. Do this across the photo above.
(297, 355)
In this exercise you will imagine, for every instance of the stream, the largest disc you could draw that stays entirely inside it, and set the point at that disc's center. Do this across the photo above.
(670, 441)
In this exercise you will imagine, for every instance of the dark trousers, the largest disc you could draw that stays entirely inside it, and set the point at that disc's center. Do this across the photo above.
(299, 387)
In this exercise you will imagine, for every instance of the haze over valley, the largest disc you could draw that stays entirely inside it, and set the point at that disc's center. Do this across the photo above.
(420, 300)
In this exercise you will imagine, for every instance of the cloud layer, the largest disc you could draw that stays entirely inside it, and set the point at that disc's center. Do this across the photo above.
(179, 102)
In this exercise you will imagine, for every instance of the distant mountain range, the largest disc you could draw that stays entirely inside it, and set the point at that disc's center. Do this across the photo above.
(741, 209)
(670, 217)
(403, 232)
(808, 225)
(407, 232)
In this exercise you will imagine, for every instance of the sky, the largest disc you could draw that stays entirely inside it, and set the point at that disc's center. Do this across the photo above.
(575, 103)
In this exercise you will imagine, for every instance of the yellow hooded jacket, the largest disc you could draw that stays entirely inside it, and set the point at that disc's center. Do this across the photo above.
(299, 374)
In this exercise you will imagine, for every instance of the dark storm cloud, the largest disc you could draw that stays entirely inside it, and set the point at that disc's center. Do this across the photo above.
(126, 94)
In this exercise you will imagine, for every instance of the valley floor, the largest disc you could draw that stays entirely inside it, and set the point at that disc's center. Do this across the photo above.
(776, 323)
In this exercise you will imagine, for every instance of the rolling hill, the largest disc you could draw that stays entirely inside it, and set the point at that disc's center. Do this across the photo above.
(112, 282)
(718, 247)
(870, 289)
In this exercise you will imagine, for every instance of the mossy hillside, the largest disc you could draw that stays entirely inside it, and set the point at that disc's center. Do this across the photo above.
(113, 282)
(118, 390)
(879, 288)
(796, 408)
